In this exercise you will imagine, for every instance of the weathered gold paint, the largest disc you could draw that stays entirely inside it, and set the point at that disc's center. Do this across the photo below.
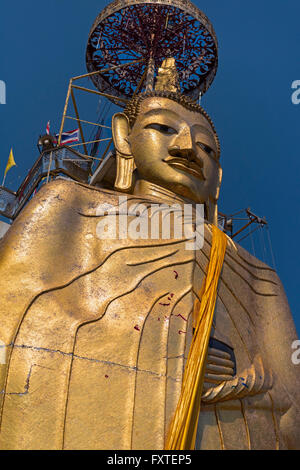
(95, 357)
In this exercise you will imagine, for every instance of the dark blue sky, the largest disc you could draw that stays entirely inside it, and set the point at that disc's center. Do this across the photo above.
(43, 45)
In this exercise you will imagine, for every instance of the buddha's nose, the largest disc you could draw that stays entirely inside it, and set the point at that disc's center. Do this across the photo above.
(183, 145)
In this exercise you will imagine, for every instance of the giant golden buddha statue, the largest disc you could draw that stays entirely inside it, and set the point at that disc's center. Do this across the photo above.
(98, 330)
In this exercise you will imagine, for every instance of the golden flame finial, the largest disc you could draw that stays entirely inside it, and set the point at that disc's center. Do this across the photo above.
(167, 77)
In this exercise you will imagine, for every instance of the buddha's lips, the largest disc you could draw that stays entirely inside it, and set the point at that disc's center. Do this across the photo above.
(186, 165)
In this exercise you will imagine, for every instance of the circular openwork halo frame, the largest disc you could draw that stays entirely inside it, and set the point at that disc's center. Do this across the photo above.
(130, 30)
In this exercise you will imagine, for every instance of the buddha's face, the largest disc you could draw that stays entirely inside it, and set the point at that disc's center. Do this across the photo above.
(175, 148)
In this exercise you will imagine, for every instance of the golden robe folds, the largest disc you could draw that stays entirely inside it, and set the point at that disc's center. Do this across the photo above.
(97, 333)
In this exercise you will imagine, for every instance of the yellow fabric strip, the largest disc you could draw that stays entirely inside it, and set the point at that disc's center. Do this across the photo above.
(183, 429)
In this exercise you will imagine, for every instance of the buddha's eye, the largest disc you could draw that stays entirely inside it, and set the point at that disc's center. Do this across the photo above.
(162, 128)
(206, 149)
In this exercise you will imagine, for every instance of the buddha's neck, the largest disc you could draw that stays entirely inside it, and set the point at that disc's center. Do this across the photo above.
(146, 189)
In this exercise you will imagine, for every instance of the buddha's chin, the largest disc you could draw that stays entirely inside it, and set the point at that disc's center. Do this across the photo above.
(189, 187)
(179, 182)
(190, 192)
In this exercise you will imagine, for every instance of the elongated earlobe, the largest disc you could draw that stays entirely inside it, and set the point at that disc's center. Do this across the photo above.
(125, 169)
(219, 182)
(212, 203)
(120, 134)
(125, 161)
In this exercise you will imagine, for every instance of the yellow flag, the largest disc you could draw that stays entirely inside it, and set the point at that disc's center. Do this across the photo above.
(10, 162)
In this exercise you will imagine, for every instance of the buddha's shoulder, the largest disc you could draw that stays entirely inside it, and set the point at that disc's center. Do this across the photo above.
(242, 269)
(75, 193)
(64, 198)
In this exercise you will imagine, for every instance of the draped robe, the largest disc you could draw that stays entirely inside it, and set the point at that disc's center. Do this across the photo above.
(97, 332)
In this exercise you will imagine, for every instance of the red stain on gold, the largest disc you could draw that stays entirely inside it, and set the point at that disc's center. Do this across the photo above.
(179, 315)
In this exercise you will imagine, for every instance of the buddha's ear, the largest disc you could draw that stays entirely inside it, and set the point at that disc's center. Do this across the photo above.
(220, 174)
(125, 161)
(212, 203)
(120, 133)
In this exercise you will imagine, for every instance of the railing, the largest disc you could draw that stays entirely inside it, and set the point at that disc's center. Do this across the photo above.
(51, 163)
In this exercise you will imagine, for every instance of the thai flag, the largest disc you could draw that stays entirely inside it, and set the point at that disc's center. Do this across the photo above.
(69, 136)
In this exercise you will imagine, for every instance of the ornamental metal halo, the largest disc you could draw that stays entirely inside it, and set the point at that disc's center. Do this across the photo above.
(129, 30)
